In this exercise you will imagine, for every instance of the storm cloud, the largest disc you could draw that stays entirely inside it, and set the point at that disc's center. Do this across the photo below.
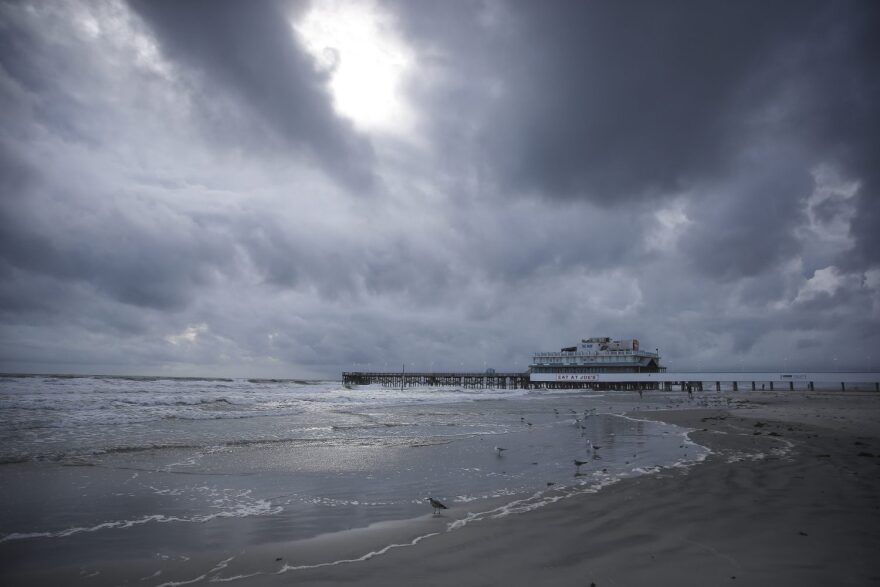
(297, 188)
(248, 52)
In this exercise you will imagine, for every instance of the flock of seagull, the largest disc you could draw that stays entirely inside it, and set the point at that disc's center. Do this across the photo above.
(580, 422)
(499, 451)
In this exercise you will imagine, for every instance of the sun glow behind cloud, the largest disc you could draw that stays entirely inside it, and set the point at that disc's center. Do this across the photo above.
(358, 45)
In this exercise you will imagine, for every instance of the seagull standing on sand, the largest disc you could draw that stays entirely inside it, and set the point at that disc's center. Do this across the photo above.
(578, 463)
(436, 505)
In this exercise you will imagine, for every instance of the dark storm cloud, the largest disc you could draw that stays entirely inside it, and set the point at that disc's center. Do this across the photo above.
(619, 101)
(623, 100)
(60, 219)
(611, 99)
(747, 227)
(144, 267)
(827, 211)
(248, 49)
(340, 264)
(838, 94)
(59, 227)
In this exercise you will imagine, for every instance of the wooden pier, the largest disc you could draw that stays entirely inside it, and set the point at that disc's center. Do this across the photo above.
(685, 381)
(471, 380)
(451, 379)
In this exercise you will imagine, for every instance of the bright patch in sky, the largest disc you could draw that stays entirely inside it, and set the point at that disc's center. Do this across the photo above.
(357, 43)
(190, 335)
(670, 224)
(832, 186)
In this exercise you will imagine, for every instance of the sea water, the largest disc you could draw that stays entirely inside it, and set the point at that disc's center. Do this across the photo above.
(165, 468)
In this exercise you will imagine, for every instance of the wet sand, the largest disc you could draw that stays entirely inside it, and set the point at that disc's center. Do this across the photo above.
(789, 496)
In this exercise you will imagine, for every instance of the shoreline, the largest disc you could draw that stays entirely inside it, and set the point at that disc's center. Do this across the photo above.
(788, 496)
(796, 504)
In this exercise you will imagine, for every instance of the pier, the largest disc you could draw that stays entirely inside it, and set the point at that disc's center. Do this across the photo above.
(463, 380)
(734, 380)
(684, 381)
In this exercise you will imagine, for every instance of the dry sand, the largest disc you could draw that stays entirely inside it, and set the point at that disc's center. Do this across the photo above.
(790, 496)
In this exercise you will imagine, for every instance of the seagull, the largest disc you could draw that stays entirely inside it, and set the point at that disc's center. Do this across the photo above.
(499, 450)
(578, 463)
(436, 505)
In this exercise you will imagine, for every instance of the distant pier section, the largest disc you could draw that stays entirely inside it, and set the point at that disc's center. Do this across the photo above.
(465, 380)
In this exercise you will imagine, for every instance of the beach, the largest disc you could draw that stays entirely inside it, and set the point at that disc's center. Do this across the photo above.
(787, 494)
(756, 512)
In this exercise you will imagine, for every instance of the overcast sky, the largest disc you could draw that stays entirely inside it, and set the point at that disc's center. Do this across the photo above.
(284, 189)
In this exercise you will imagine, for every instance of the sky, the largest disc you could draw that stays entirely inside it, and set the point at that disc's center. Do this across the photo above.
(294, 189)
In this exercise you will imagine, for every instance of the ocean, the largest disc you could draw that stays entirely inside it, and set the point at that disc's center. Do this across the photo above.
(166, 469)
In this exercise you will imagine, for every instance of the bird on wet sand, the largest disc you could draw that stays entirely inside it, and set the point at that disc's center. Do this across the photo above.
(578, 463)
(499, 450)
(436, 505)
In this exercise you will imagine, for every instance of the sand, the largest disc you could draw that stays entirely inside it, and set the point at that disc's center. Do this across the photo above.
(789, 496)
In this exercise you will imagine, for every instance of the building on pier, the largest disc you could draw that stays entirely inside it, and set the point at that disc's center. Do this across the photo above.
(578, 365)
